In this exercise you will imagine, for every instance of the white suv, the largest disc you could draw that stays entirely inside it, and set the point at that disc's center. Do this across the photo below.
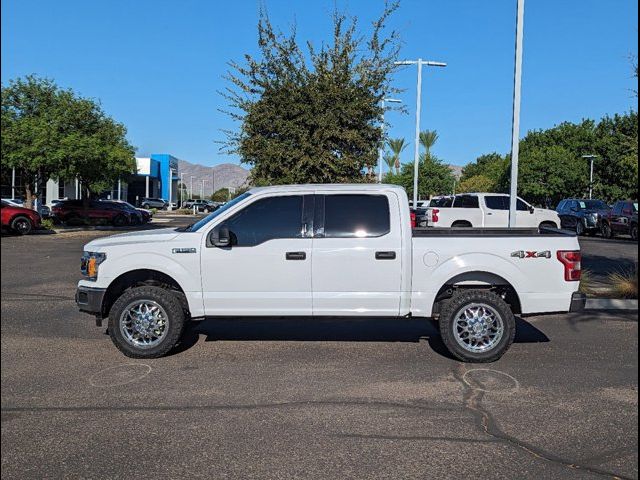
(487, 210)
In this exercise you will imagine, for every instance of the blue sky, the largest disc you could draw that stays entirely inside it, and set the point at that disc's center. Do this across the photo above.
(157, 65)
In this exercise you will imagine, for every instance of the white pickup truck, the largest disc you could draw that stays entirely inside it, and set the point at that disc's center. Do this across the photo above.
(327, 250)
(487, 210)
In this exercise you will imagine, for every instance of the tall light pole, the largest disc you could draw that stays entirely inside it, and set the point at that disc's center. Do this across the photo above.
(381, 152)
(213, 181)
(515, 127)
(182, 189)
(191, 189)
(591, 158)
(416, 149)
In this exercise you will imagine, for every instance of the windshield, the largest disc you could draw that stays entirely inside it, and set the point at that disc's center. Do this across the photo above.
(592, 205)
(198, 225)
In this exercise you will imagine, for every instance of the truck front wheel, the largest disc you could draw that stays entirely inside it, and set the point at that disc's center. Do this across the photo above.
(146, 322)
(477, 326)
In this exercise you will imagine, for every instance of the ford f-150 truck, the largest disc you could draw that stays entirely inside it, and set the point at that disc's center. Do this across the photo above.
(327, 250)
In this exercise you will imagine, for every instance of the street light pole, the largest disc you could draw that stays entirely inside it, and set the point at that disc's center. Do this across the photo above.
(515, 130)
(416, 149)
(181, 189)
(381, 151)
(191, 189)
(591, 158)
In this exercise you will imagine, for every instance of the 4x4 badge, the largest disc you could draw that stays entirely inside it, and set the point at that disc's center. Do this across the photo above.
(530, 254)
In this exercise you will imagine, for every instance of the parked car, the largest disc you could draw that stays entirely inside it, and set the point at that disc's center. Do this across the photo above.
(622, 220)
(582, 215)
(43, 210)
(159, 203)
(201, 205)
(139, 216)
(74, 211)
(17, 219)
(487, 210)
(329, 250)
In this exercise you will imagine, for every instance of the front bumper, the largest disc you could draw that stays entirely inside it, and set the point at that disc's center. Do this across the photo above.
(578, 301)
(89, 299)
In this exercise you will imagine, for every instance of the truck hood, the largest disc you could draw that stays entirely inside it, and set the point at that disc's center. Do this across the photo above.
(145, 236)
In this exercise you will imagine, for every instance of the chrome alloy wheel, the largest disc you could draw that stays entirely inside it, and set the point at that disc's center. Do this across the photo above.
(478, 327)
(144, 324)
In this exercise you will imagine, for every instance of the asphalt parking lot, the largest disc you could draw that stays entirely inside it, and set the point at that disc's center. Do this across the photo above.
(302, 398)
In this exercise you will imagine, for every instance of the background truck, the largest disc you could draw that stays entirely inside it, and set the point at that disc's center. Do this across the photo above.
(487, 210)
(327, 250)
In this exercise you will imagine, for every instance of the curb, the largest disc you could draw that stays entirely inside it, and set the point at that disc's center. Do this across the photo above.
(611, 304)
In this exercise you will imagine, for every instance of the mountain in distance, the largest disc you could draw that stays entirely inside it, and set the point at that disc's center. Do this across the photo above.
(226, 175)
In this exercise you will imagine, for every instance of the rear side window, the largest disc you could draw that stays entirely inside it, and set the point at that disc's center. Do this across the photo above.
(497, 202)
(349, 216)
(267, 219)
(445, 202)
(466, 201)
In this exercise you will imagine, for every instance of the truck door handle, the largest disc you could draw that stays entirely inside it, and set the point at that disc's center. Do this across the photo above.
(296, 255)
(385, 255)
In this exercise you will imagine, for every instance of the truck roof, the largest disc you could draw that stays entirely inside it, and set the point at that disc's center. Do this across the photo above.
(327, 186)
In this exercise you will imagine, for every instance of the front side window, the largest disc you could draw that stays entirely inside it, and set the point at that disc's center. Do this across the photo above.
(617, 208)
(356, 216)
(266, 219)
(520, 205)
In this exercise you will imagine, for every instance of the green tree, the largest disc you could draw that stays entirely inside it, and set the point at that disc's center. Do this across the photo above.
(221, 195)
(390, 160)
(477, 183)
(428, 138)
(434, 177)
(51, 132)
(312, 118)
(492, 167)
(397, 145)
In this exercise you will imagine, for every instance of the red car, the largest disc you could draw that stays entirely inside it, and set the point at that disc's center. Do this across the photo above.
(74, 211)
(18, 219)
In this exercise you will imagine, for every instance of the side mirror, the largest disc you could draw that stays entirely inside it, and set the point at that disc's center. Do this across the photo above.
(532, 210)
(221, 237)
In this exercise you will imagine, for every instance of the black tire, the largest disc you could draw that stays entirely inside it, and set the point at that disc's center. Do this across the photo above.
(171, 305)
(145, 205)
(607, 232)
(447, 323)
(579, 228)
(461, 224)
(21, 225)
(634, 232)
(547, 225)
(120, 221)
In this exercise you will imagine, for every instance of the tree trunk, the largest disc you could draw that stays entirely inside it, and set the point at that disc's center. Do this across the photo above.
(28, 191)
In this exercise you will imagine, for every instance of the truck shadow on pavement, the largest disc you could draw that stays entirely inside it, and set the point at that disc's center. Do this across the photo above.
(332, 330)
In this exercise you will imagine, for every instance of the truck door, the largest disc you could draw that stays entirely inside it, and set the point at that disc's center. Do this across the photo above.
(496, 213)
(357, 261)
(267, 268)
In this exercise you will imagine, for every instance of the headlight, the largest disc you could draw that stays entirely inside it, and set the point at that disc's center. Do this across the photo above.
(90, 262)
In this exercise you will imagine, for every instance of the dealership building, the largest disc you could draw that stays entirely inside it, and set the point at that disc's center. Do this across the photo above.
(156, 177)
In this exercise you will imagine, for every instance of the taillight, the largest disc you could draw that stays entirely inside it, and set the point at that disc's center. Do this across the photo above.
(413, 219)
(572, 261)
(434, 215)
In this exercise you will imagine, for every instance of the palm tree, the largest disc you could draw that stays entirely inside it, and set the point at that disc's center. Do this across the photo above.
(390, 160)
(397, 145)
(427, 139)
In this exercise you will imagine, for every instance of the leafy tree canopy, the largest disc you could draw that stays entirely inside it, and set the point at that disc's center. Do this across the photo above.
(434, 177)
(477, 183)
(315, 117)
(51, 132)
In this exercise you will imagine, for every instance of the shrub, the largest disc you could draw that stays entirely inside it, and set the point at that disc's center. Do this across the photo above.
(184, 211)
(586, 283)
(154, 211)
(46, 224)
(625, 284)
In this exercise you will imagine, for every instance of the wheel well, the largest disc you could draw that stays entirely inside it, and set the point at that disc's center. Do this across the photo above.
(479, 281)
(136, 278)
(548, 223)
(461, 223)
(18, 215)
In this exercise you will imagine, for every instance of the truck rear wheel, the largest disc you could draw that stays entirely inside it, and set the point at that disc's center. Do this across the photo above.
(477, 326)
(146, 322)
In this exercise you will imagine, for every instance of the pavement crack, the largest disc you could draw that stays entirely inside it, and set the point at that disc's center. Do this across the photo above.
(472, 402)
